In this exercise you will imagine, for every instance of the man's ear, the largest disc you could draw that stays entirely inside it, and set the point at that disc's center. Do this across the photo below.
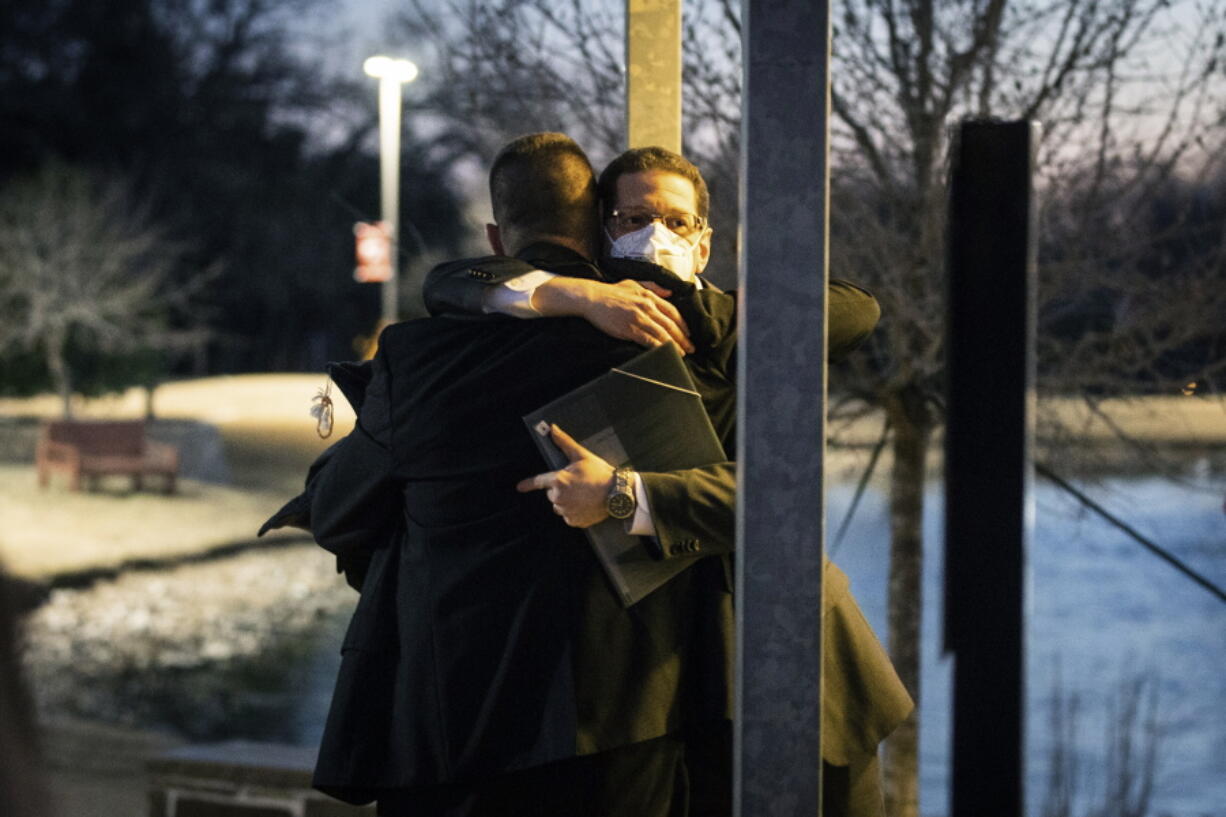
(494, 236)
(704, 251)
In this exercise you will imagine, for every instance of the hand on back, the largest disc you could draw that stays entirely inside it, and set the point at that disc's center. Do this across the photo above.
(629, 310)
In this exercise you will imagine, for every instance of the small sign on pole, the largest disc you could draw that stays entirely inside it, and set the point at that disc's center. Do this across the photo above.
(374, 252)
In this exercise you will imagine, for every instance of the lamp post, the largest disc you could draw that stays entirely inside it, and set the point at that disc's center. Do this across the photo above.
(391, 74)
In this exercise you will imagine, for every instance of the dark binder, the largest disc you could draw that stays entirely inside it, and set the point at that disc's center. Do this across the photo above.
(645, 415)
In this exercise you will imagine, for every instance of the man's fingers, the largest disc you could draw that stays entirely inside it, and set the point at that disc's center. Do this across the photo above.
(644, 336)
(656, 288)
(673, 314)
(573, 451)
(650, 305)
(674, 325)
(656, 329)
(665, 321)
(537, 483)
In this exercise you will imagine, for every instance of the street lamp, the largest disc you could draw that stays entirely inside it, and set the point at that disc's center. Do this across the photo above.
(391, 75)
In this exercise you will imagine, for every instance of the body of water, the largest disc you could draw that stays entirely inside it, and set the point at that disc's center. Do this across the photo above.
(1103, 613)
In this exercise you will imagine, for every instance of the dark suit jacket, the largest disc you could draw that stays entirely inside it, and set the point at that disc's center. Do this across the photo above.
(694, 509)
(485, 638)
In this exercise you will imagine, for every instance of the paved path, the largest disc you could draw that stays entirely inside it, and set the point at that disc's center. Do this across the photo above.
(95, 770)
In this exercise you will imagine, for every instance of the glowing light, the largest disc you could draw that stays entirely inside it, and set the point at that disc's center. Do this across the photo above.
(388, 68)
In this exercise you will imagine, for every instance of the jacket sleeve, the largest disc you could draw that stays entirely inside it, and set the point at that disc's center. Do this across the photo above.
(297, 512)
(355, 502)
(693, 510)
(457, 286)
(852, 315)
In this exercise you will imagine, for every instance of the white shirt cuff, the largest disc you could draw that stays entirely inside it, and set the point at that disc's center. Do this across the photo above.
(640, 523)
(514, 296)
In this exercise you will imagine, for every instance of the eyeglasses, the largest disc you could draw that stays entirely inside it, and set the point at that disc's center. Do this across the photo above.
(683, 224)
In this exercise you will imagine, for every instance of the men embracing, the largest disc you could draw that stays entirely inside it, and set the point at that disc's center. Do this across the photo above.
(489, 669)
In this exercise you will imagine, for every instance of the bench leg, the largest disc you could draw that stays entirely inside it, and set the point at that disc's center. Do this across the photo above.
(137, 482)
(170, 484)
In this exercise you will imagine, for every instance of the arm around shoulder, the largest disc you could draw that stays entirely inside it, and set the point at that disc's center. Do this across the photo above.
(853, 314)
(459, 286)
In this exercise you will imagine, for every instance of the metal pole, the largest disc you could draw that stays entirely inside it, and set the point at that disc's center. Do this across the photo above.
(988, 459)
(389, 177)
(653, 73)
(782, 397)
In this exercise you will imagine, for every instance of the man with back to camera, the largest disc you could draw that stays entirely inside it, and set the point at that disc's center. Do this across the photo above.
(488, 669)
(655, 204)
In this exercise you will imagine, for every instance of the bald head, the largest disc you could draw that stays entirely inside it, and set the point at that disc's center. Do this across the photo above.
(542, 188)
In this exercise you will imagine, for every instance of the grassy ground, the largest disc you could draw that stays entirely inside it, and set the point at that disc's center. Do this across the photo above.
(264, 420)
(56, 531)
(1158, 420)
(270, 439)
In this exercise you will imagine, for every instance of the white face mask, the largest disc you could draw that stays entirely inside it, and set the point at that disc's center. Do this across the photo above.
(659, 245)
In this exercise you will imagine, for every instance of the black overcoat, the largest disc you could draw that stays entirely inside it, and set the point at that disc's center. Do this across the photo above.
(485, 639)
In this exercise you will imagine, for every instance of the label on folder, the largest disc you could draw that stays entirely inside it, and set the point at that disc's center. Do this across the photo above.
(645, 415)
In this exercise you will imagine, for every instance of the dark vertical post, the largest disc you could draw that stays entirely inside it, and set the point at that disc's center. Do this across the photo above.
(988, 469)
(782, 394)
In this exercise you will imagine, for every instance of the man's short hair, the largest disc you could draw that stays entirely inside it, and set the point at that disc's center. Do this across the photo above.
(638, 160)
(542, 184)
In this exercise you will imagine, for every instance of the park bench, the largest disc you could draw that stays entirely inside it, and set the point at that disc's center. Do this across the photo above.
(97, 448)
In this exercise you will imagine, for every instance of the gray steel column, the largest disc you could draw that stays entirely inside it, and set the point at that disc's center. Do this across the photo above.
(653, 73)
(988, 466)
(782, 396)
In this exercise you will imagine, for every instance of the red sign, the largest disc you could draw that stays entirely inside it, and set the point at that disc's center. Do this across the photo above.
(374, 252)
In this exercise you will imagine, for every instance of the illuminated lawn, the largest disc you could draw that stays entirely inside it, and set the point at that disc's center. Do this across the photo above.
(57, 531)
(269, 438)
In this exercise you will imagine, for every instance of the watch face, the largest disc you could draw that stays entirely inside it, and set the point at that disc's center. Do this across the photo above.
(621, 505)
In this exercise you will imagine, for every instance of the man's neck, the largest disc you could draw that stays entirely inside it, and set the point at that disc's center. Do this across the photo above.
(582, 247)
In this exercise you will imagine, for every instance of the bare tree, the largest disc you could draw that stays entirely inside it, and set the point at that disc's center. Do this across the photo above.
(506, 69)
(84, 266)
(1132, 98)
(1117, 119)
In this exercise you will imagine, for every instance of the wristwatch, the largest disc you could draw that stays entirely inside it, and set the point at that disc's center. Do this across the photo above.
(621, 502)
